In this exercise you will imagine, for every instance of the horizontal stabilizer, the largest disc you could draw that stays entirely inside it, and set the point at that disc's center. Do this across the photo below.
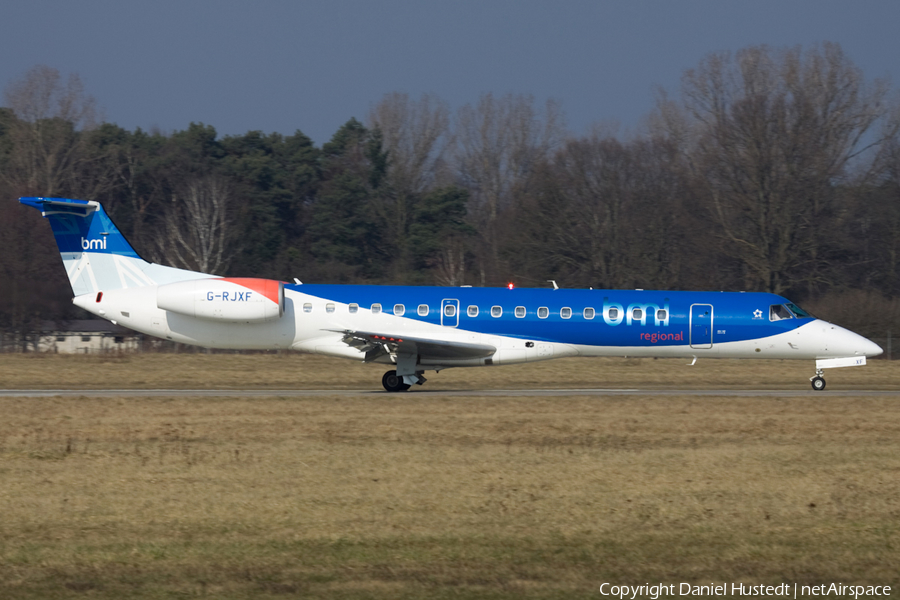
(61, 206)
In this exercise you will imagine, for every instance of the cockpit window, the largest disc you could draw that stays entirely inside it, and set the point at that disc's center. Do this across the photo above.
(798, 312)
(777, 312)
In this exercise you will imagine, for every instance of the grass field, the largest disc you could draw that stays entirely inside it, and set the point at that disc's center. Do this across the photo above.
(411, 496)
(293, 371)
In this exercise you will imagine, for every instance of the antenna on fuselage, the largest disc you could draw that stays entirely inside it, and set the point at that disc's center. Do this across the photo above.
(553, 281)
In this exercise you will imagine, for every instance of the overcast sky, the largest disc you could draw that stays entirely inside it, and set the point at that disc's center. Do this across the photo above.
(288, 65)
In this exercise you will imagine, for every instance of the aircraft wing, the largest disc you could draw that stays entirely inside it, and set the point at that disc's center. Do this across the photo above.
(377, 343)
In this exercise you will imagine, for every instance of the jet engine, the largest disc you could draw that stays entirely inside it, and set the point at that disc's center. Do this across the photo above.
(235, 299)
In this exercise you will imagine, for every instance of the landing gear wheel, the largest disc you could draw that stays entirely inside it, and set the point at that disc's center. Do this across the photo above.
(393, 382)
(818, 383)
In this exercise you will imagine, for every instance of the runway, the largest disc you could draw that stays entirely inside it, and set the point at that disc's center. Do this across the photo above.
(436, 393)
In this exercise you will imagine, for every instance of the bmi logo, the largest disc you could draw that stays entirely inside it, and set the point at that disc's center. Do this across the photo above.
(93, 244)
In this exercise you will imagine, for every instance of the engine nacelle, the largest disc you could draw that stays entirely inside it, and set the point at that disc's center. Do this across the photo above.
(236, 299)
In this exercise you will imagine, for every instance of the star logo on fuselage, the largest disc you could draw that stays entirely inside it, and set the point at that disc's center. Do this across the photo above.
(757, 314)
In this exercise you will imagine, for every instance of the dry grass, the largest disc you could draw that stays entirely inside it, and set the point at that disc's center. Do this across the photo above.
(293, 371)
(409, 496)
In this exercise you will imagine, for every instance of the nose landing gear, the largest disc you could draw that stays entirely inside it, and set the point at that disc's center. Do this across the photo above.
(818, 382)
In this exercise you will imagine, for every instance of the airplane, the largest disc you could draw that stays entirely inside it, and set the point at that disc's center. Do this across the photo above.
(414, 329)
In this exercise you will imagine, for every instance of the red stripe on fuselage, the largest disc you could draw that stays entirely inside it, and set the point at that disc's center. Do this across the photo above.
(266, 287)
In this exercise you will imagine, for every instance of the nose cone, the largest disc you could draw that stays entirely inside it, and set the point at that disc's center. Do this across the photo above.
(872, 349)
(843, 342)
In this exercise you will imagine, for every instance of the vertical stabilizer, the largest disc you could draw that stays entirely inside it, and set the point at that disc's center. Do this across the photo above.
(96, 255)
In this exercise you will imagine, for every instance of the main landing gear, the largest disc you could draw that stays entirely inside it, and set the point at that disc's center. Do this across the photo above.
(398, 383)
(818, 382)
(393, 382)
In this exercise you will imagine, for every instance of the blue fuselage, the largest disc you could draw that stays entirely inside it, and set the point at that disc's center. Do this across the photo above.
(625, 318)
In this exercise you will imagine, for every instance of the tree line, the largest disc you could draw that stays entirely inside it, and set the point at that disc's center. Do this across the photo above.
(770, 169)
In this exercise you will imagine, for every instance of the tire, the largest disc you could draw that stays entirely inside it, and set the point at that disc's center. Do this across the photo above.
(393, 383)
(818, 384)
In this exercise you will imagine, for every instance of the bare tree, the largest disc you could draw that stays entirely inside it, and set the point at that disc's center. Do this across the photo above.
(414, 136)
(604, 213)
(198, 232)
(880, 227)
(450, 264)
(48, 153)
(598, 178)
(776, 132)
(498, 143)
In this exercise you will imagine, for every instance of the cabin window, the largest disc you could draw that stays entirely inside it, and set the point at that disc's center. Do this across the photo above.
(449, 310)
(637, 314)
(777, 312)
(376, 308)
(85, 338)
(119, 339)
(520, 312)
(353, 308)
(472, 311)
(307, 307)
(60, 338)
(565, 313)
(423, 310)
(613, 313)
(588, 313)
(661, 315)
(329, 308)
(543, 312)
(399, 309)
(496, 311)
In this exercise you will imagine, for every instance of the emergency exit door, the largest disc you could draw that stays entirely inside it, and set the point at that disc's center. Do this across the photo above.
(450, 312)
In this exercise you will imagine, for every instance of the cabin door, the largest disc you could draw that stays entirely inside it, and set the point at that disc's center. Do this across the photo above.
(701, 325)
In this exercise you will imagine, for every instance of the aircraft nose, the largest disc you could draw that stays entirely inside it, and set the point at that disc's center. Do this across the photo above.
(872, 349)
(852, 344)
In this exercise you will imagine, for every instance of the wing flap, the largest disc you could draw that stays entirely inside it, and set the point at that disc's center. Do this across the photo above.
(370, 341)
